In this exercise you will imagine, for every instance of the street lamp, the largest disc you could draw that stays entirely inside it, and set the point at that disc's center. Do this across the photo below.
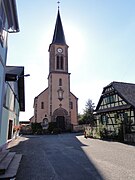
(14, 77)
(60, 93)
(25, 75)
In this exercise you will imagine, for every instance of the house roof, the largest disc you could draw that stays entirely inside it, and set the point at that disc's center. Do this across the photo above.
(125, 90)
(11, 11)
(16, 73)
(58, 37)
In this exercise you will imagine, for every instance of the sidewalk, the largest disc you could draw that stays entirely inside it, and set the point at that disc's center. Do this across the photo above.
(15, 142)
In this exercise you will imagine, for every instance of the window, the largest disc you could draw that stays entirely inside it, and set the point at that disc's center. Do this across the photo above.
(104, 119)
(123, 117)
(5, 95)
(2, 23)
(2, 17)
(60, 82)
(112, 99)
(42, 105)
(109, 99)
(59, 62)
(71, 105)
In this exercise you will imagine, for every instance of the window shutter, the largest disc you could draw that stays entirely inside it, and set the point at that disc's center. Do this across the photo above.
(126, 118)
(106, 118)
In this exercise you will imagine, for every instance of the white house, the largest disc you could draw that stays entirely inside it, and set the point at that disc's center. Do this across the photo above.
(8, 23)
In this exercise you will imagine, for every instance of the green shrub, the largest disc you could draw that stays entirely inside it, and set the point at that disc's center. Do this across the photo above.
(52, 126)
(36, 128)
(57, 131)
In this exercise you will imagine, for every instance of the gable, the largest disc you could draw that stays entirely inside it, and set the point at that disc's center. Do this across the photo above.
(108, 89)
(111, 100)
(73, 96)
(42, 93)
(40, 97)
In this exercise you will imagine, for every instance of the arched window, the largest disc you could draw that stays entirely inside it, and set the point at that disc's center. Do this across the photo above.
(71, 105)
(60, 82)
(42, 105)
(60, 62)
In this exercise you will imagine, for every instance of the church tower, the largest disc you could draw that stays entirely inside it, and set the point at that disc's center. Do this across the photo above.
(56, 103)
(59, 78)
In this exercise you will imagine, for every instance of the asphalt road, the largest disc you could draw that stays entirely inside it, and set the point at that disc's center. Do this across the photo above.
(72, 157)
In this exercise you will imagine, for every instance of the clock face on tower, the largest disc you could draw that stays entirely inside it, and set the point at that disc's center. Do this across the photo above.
(59, 50)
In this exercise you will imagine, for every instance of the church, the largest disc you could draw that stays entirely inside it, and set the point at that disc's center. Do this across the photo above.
(57, 103)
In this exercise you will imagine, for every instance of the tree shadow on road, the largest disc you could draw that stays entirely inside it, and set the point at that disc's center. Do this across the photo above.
(54, 157)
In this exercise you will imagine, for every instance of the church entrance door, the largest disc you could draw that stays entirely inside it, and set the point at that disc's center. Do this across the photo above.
(60, 120)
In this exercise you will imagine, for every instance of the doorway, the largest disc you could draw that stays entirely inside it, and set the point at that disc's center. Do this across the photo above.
(10, 129)
(60, 120)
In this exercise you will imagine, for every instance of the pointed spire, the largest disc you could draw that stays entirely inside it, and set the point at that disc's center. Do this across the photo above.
(58, 37)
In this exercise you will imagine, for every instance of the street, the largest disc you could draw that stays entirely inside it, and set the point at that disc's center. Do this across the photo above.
(72, 157)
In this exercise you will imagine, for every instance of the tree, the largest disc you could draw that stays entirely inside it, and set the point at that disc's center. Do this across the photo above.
(80, 119)
(89, 107)
(88, 116)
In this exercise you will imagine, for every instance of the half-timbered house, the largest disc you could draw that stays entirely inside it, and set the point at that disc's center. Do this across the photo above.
(116, 107)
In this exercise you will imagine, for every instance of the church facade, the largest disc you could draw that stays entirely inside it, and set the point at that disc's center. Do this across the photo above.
(57, 103)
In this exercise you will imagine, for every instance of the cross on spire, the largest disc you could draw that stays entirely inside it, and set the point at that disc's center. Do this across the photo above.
(58, 4)
(58, 36)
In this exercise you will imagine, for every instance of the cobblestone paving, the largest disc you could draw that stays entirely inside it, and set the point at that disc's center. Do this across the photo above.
(72, 157)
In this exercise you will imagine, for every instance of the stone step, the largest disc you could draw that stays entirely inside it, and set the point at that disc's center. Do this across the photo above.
(6, 162)
(12, 169)
(3, 154)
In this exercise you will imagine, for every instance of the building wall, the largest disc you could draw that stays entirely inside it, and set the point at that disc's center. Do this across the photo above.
(1, 87)
(10, 113)
(52, 57)
(74, 110)
(3, 55)
(41, 107)
(6, 21)
(40, 113)
(112, 120)
(55, 86)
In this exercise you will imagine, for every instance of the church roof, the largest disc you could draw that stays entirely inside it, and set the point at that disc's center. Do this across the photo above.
(58, 36)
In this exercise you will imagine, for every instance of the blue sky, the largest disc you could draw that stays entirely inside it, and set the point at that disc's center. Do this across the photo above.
(101, 39)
